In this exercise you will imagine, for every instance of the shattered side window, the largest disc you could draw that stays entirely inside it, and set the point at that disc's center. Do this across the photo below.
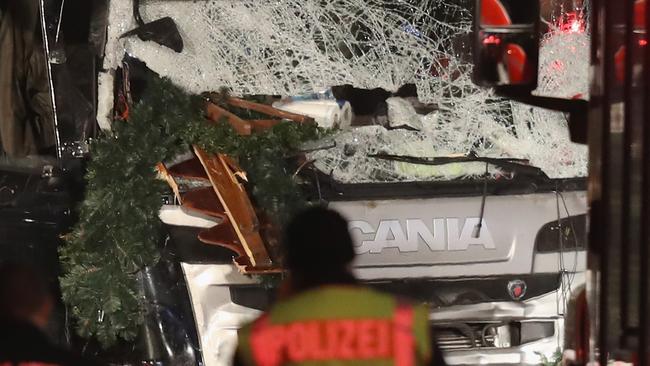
(410, 58)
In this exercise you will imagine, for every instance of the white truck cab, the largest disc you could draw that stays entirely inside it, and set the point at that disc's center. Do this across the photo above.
(496, 291)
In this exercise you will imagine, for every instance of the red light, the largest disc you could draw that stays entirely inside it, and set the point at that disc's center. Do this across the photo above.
(491, 40)
(643, 42)
(571, 23)
(557, 65)
(575, 26)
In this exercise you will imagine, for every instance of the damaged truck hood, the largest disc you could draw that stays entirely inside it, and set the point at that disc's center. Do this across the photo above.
(447, 237)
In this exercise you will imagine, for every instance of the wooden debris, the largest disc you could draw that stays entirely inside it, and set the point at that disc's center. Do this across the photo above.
(268, 110)
(204, 201)
(166, 175)
(190, 169)
(260, 125)
(237, 206)
(216, 113)
(245, 267)
(223, 235)
(234, 167)
(226, 200)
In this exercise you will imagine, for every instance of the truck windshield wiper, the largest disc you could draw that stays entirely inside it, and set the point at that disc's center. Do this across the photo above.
(514, 165)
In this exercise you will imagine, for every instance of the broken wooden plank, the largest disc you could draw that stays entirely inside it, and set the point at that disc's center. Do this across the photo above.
(204, 201)
(269, 110)
(166, 175)
(234, 167)
(260, 125)
(223, 235)
(237, 206)
(189, 169)
(244, 266)
(216, 113)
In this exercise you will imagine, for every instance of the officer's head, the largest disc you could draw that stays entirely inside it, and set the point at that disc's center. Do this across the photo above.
(24, 295)
(317, 243)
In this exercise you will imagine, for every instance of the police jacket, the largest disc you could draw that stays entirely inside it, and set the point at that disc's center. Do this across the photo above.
(339, 325)
(22, 344)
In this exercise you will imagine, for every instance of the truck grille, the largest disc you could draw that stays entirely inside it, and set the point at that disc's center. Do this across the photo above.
(490, 334)
(458, 336)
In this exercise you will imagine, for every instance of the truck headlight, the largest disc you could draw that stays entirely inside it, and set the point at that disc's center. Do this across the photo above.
(471, 335)
(535, 330)
(518, 333)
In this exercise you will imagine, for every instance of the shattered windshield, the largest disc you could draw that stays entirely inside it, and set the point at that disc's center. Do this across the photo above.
(393, 77)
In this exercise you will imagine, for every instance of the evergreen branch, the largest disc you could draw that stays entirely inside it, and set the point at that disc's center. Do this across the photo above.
(119, 230)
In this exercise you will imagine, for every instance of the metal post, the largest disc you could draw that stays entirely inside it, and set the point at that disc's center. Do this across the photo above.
(644, 322)
(57, 138)
(626, 246)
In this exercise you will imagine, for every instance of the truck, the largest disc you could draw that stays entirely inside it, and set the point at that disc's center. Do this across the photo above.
(497, 294)
(495, 258)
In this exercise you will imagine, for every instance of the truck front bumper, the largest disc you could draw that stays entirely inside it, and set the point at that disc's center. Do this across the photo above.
(504, 333)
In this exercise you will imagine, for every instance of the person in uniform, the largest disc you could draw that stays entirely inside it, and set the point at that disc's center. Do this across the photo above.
(26, 304)
(325, 316)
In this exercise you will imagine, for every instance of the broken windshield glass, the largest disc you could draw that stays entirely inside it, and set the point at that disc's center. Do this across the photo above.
(410, 61)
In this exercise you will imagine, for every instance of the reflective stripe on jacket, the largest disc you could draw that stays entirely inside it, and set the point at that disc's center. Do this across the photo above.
(338, 325)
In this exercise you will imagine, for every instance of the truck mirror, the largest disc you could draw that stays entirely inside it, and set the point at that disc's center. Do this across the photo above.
(506, 44)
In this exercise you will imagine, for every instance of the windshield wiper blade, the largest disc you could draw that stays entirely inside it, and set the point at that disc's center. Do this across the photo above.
(514, 165)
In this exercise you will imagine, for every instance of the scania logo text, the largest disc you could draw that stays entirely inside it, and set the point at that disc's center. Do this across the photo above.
(439, 234)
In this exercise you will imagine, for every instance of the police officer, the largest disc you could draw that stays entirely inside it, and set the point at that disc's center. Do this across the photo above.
(25, 307)
(325, 316)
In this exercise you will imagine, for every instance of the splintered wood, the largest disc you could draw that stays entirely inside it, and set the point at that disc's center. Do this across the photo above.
(216, 191)
(225, 200)
(269, 110)
(244, 127)
(216, 113)
(237, 206)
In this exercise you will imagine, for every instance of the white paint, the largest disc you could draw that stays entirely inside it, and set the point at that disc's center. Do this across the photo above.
(175, 215)
(391, 234)
(105, 100)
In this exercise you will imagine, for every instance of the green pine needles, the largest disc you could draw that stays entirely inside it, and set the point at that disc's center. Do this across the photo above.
(119, 230)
